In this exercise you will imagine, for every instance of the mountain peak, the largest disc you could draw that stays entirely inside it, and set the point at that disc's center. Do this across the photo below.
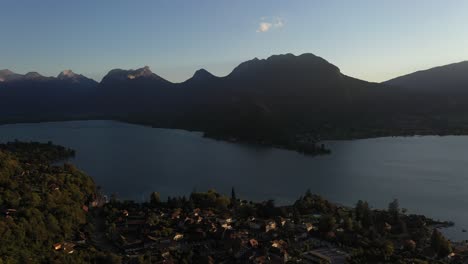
(6, 72)
(142, 72)
(288, 62)
(33, 75)
(121, 75)
(202, 74)
(70, 76)
(7, 75)
(66, 74)
(451, 77)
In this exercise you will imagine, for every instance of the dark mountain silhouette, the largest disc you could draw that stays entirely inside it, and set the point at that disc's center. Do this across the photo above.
(131, 92)
(34, 76)
(452, 78)
(278, 100)
(440, 93)
(201, 75)
(119, 75)
(32, 97)
(7, 75)
(81, 80)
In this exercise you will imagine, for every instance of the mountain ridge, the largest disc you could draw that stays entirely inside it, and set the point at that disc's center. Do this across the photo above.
(277, 99)
(452, 76)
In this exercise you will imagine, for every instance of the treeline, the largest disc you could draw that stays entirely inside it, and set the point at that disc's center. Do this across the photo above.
(37, 152)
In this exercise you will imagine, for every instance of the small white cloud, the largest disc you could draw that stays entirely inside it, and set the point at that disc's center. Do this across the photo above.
(265, 25)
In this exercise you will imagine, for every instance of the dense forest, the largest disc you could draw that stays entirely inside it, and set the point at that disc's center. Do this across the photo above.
(43, 206)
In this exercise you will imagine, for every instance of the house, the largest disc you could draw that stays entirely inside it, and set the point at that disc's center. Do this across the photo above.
(279, 244)
(178, 237)
(270, 226)
(196, 211)
(226, 226)
(68, 247)
(283, 221)
(253, 243)
(57, 246)
(54, 187)
(166, 255)
(387, 227)
(9, 212)
(176, 214)
(199, 219)
(309, 227)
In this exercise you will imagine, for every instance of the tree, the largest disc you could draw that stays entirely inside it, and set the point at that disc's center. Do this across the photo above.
(445, 248)
(327, 223)
(409, 245)
(364, 214)
(388, 248)
(359, 210)
(113, 198)
(222, 203)
(233, 194)
(155, 198)
(435, 240)
(440, 244)
(348, 224)
(394, 209)
(153, 219)
(234, 202)
(112, 258)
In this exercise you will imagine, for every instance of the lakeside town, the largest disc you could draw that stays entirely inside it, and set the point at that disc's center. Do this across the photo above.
(54, 213)
(211, 228)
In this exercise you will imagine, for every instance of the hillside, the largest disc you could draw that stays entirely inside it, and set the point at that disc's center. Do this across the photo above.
(43, 206)
(452, 78)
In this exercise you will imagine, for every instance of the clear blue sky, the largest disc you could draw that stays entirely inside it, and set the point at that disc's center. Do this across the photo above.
(369, 39)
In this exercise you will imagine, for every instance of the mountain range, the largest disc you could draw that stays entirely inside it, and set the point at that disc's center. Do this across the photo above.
(278, 99)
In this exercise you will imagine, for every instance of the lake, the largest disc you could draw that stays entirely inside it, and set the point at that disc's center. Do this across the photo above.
(427, 174)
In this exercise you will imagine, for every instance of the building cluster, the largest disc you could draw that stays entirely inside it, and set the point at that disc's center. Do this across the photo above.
(219, 236)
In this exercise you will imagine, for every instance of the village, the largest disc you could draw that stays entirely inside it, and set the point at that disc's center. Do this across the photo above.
(222, 237)
(211, 228)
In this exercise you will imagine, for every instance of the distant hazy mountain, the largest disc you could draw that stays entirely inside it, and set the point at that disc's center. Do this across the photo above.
(32, 96)
(7, 75)
(201, 75)
(70, 76)
(444, 79)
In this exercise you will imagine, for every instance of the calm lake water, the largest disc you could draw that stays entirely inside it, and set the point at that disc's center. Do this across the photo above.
(427, 174)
